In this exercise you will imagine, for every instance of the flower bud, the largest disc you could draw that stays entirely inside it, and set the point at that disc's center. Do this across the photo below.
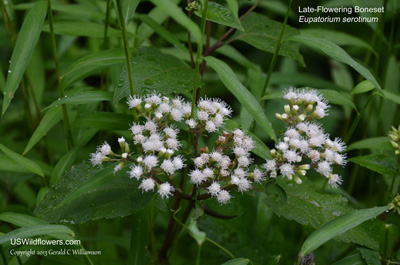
(287, 109)
(297, 179)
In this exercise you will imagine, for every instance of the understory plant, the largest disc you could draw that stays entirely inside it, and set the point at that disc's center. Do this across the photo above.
(198, 132)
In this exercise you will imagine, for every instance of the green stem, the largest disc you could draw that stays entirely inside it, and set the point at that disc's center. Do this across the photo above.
(67, 127)
(276, 52)
(87, 256)
(126, 45)
(198, 56)
(198, 255)
(107, 22)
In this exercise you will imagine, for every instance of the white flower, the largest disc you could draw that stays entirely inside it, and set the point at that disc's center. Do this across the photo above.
(164, 108)
(153, 99)
(339, 159)
(258, 175)
(176, 114)
(208, 172)
(244, 185)
(165, 190)
(303, 146)
(239, 151)
(287, 170)
(210, 126)
(290, 155)
(178, 162)
(224, 162)
(338, 145)
(216, 156)
(136, 172)
(168, 167)
(214, 188)
(147, 184)
(310, 95)
(139, 139)
(244, 161)
(282, 146)
(96, 158)
(223, 197)
(302, 126)
(151, 126)
(270, 165)
(240, 172)
(206, 104)
(324, 168)
(238, 133)
(150, 161)
(202, 115)
(198, 162)
(334, 180)
(186, 109)
(218, 120)
(124, 155)
(317, 140)
(105, 149)
(313, 155)
(134, 101)
(191, 123)
(173, 144)
(196, 177)
(292, 133)
(329, 154)
(137, 129)
(248, 144)
(177, 102)
(171, 132)
(291, 94)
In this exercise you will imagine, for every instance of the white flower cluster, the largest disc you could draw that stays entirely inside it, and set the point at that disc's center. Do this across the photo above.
(157, 138)
(304, 139)
(226, 167)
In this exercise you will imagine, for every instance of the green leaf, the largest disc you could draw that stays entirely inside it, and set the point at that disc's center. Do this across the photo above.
(153, 70)
(139, 238)
(354, 259)
(237, 261)
(392, 96)
(194, 231)
(22, 161)
(335, 52)
(381, 163)
(164, 33)
(51, 118)
(87, 193)
(338, 98)
(7, 164)
(362, 87)
(104, 121)
(92, 63)
(28, 36)
(338, 226)
(83, 29)
(221, 15)
(276, 193)
(129, 8)
(21, 220)
(37, 230)
(175, 12)
(308, 206)
(371, 143)
(371, 257)
(84, 97)
(262, 33)
(230, 80)
(337, 37)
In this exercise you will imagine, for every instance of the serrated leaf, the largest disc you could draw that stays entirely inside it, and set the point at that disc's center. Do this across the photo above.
(153, 70)
(104, 121)
(22, 161)
(90, 64)
(338, 226)
(307, 206)
(87, 193)
(237, 261)
(221, 15)
(263, 33)
(51, 118)
(362, 87)
(335, 52)
(232, 83)
(28, 36)
(36, 230)
(381, 163)
(371, 143)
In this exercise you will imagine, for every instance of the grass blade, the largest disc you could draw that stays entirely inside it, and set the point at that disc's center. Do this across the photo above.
(338, 226)
(233, 84)
(139, 238)
(24, 47)
(22, 161)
